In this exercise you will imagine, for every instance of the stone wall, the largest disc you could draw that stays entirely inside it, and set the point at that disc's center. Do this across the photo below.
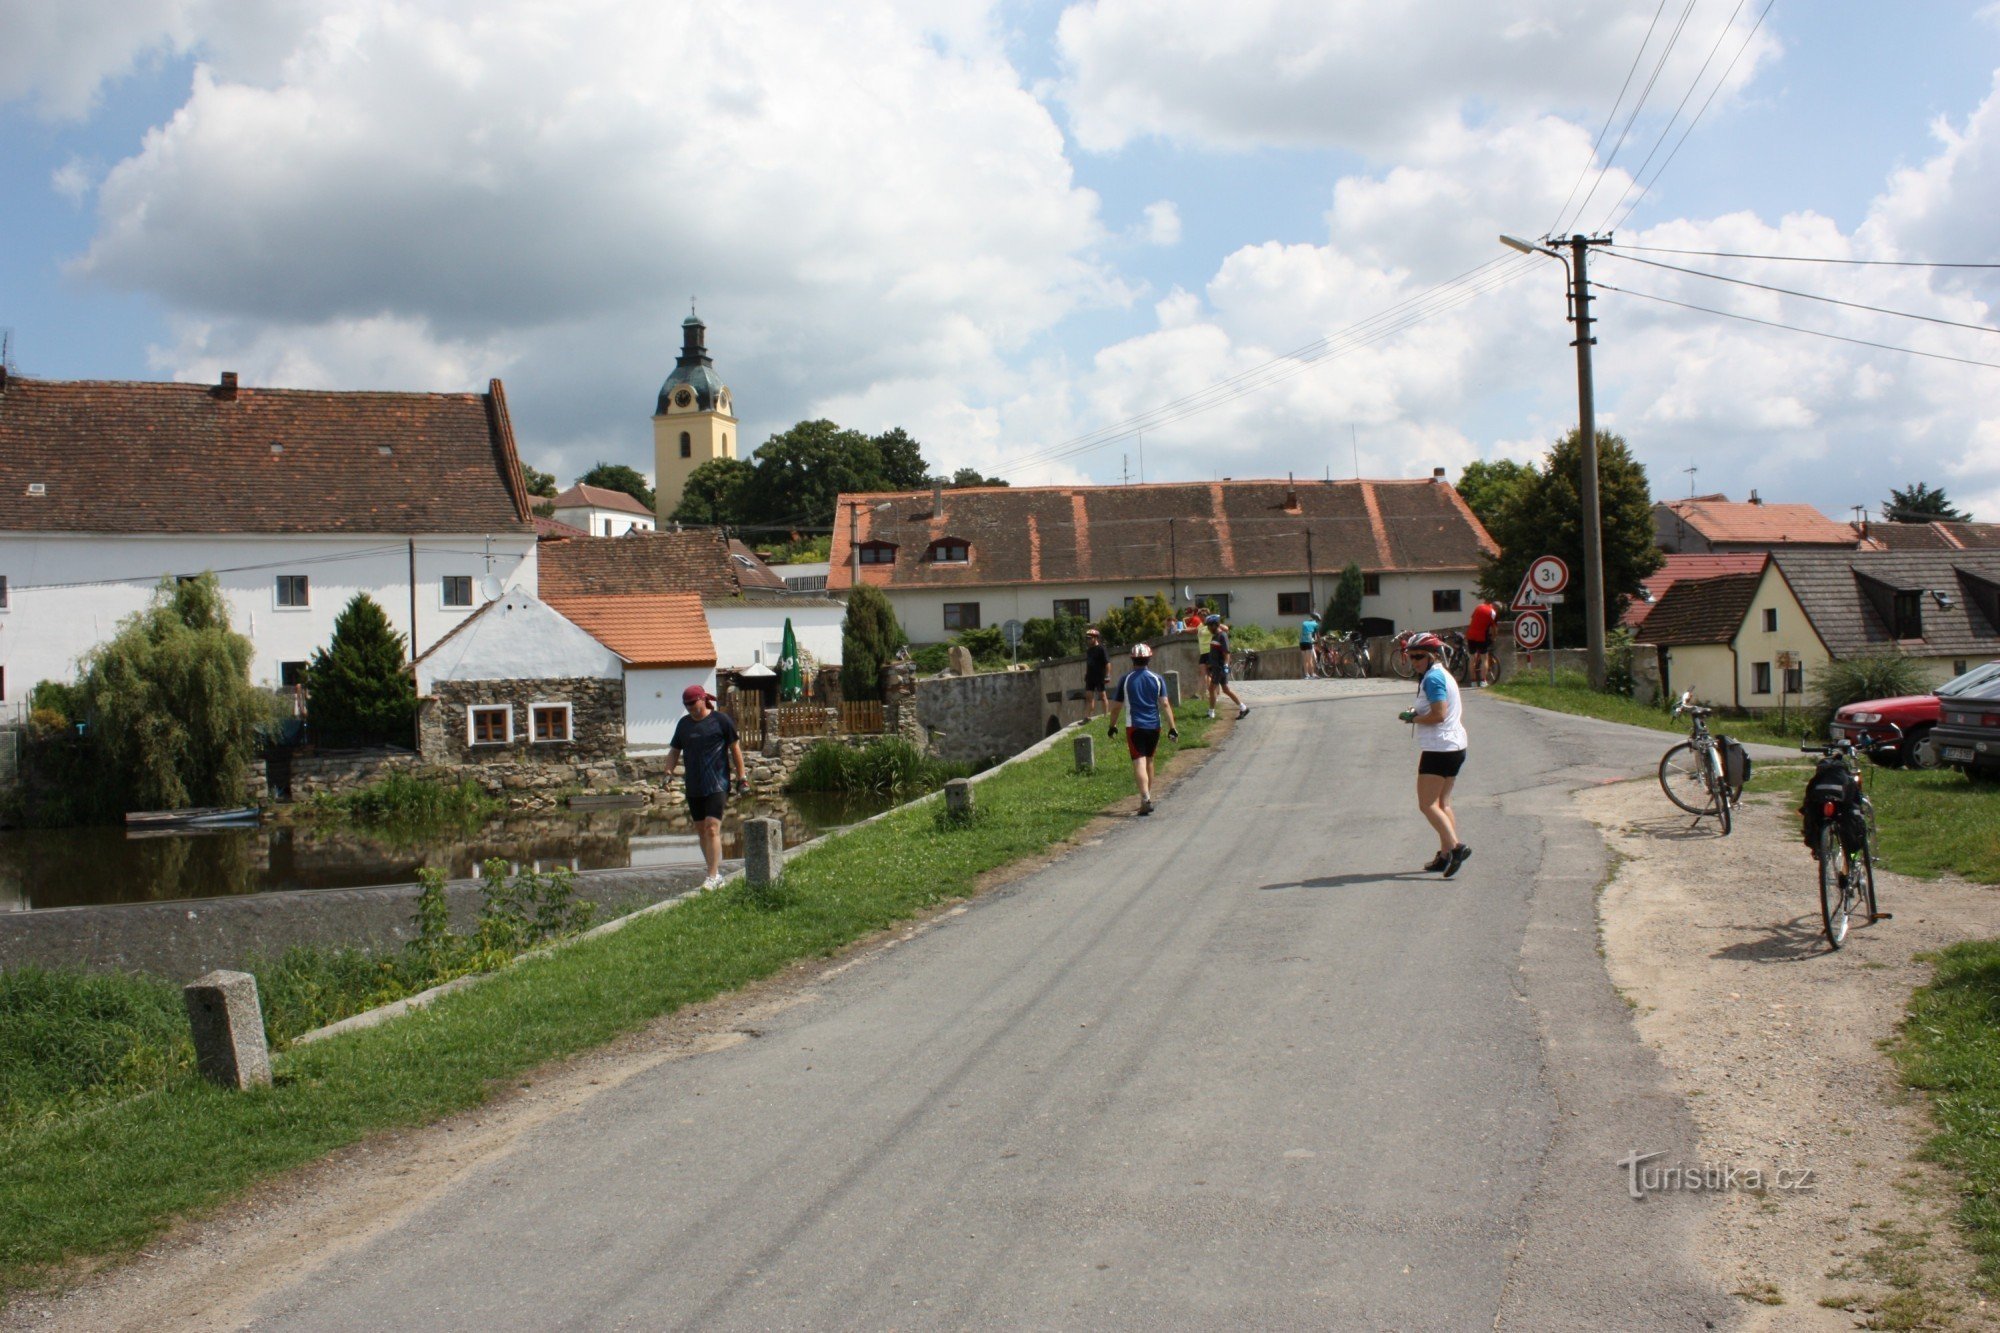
(597, 721)
(970, 718)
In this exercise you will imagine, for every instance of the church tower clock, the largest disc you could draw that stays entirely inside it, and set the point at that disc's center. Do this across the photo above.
(694, 421)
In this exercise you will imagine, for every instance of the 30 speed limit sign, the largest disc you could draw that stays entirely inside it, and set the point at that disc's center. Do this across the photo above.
(1531, 630)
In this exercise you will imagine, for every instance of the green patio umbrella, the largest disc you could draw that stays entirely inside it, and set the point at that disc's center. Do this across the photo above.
(791, 684)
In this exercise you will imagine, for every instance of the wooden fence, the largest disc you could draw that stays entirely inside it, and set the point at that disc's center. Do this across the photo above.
(855, 718)
(749, 720)
(862, 717)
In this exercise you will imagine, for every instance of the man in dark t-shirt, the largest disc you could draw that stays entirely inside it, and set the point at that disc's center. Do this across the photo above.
(708, 738)
(1218, 668)
(1096, 672)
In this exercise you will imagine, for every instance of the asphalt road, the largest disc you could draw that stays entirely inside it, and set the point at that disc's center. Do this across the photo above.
(1238, 1065)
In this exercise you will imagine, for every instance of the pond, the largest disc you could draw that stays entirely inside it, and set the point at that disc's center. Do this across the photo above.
(78, 867)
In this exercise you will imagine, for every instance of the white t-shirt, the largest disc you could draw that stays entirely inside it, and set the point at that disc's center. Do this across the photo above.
(1438, 686)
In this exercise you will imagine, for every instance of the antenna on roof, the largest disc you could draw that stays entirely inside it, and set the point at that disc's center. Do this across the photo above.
(1354, 442)
(1142, 458)
(1690, 469)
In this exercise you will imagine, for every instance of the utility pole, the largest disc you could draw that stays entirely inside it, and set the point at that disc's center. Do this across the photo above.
(1586, 400)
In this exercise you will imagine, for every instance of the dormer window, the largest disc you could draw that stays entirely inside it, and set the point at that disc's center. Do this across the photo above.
(1909, 614)
(949, 551)
(878, 553)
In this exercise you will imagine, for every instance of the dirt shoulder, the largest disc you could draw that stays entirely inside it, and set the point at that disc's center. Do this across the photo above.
(1776, 1042)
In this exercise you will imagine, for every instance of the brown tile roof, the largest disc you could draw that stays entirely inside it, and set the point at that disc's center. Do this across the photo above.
(548, 528)
(1680, 566)
(1850, 616)
(1695, 611)
(751, 572)
(195, 458)
(1935, 536)
(692, 560)
(657, 630)
(1165, 531)
(600, 497)
(1741, 523)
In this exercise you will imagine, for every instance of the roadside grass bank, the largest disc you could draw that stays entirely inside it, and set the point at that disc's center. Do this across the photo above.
(1570, 694)
(1928, 824)
(1950, 1049)
(92, 1185)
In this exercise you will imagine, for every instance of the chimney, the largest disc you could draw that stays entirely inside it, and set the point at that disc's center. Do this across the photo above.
(937, 497)
(1291, 493)
(1437, 475)
(3, 377)
(226, 390)
(1753, 498)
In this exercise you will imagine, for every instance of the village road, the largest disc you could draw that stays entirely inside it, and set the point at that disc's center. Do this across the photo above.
(1235, 1065)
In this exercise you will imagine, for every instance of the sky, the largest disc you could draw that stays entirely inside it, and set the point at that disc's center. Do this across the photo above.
(1057, 242)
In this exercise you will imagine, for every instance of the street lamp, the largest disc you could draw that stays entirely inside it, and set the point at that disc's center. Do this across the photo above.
(1593, 532)
(854, 508)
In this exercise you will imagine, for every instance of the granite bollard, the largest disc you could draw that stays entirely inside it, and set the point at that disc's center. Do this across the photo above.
(1085, 748)
(763, 851)
(1173, 679)
(958, 797)
(228, 1027)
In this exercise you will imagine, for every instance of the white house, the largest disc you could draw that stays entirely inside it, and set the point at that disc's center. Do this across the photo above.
(662, 641)
(295, 499)
(601, 512)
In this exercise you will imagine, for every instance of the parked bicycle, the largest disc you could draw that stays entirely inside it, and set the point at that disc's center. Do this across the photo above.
(1343, 654)
(1840, 829)
(1704, 774)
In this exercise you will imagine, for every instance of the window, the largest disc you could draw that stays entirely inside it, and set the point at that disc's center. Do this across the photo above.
(1760, 678)
(1295, 603)
(687, 445)
(551, 722)
(1371, 585)
(292, 591)
(1444, 599)
(878, 553)
(1909, 614)
(292, 675)
(950, 551)
(3, 592)
(1795, 680)
(1219, 600)
(1073, 606)
(490, 724)
(961, 615)
(457, 591)
(1770, 620)
(607, 527)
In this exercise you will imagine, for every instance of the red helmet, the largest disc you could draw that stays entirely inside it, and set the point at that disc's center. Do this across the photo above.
(1425, 643)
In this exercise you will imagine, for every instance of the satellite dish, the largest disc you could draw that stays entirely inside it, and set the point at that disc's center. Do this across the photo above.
(491, 587)
(1187, 593)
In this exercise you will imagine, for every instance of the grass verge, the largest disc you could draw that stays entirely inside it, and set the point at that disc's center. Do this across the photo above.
(1571, 695)
(1950, 1048)
(101, 1183)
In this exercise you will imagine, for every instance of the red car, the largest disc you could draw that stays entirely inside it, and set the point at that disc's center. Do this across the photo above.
(1916, 714)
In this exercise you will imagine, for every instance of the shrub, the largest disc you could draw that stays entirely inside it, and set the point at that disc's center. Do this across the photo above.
(987, 644)
(1145, 618)
(1343, 609)
(1255, 638)
(1882, 676)
(1618, 662)
(869, 638)
(1043, 638)
(932, 658)
(357, 690)
(891, 766)
(406, 802)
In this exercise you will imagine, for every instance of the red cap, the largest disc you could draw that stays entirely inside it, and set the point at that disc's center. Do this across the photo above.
(693, 692)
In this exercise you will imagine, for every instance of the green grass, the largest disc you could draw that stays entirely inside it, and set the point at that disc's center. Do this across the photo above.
(85, 1185)
(1571, 695)
(1950, 1048)
(1928, 824)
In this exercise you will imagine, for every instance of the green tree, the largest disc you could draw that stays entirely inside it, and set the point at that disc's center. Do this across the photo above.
(1043, 638)
(1544, 516)
(539, 482)
(802, 471)
(1918, 503)
(357, 690)
(171, 713)
(970, 476)
(1145, 618)
(1486, 485)
(1343, 609)
(902, 461)
(618, 477)
(869, 638)
(715, 493)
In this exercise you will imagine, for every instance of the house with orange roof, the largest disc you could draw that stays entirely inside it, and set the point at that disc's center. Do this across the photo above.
(663, 642)
(1715, 524)
(1265, 552)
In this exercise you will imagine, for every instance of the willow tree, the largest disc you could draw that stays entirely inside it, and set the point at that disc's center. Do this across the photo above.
(172, 716)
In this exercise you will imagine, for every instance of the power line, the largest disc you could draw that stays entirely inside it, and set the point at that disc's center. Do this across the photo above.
(1808, 296)
(1637, 106)
(1793, 328)
(1803, 259)
(1609, 116)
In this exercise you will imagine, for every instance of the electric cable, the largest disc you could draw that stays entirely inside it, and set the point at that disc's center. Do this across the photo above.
(1609, 116)
(1793, 328)
(1604, 168)
(1808, 296)
(1801, 259)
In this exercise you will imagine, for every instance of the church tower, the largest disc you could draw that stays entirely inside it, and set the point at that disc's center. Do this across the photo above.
(693, 422)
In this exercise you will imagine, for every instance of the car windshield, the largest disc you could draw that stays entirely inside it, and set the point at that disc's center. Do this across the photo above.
(1980, 677)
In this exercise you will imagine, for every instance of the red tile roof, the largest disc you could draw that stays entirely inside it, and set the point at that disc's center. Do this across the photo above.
(548, 528)
(581, 496)
(1689, 566)
(1171, 530)
(1696, 611)
(658, 630)
(1741, 523)
(194, 458)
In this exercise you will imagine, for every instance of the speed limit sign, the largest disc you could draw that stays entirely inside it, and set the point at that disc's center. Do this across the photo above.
(1531, 630)
(1549, 574)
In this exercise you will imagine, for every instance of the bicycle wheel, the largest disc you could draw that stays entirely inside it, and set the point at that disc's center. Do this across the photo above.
(1718, 789)
(1682, 778)
(1864, 896)
(1835, 897)
(1492, 668)
(1352, 666)
(1400, 660)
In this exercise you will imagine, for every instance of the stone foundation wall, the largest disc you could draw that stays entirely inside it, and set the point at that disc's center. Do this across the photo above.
(597, 721)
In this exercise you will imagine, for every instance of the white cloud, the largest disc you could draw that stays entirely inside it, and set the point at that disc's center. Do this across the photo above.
(60, 53)
(1163, 223)
(72, 180)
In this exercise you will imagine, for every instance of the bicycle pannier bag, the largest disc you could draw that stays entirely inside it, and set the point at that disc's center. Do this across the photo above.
(1831, 781)
(1735, 763)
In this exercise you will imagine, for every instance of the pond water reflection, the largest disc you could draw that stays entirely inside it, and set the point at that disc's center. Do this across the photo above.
(83, 866)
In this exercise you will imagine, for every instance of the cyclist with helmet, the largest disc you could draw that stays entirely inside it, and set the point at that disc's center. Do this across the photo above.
(1441, 736)
(1146, 691)
(1218, 667)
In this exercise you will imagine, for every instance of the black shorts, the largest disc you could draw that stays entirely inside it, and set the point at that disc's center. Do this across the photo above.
(1441, 763)
(1140, 742)
(1219, 672)
(1093, 684)
(708, 807)
(1479, 645)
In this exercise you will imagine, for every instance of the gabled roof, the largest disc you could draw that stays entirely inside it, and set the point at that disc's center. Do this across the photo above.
(515, 637)
(1679, 566)
(549, 528)
(658, 630)
(751, 571)
(1835, 592)
(581, 496)
(1172, 531)
(1934, 536)
(1721, 521)
(697, 560)
(195, 458)
(1696, 611)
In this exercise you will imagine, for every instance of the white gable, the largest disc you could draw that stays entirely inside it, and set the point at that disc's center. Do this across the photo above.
(518, 638)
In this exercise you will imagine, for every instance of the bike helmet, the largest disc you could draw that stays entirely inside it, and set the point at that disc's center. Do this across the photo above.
(1425, 643)
(1141, 651)
(1211, 620)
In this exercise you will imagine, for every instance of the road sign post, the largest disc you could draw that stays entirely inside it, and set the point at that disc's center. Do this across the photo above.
(1541, 587)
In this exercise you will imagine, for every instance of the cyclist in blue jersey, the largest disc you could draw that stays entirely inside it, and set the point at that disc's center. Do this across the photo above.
(1145, 691)
(1440, 727)
(1309, 644)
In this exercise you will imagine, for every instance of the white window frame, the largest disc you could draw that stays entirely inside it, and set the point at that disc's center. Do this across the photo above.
(444, 593)
(472, 711)
(569, 722)
(277, 595)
